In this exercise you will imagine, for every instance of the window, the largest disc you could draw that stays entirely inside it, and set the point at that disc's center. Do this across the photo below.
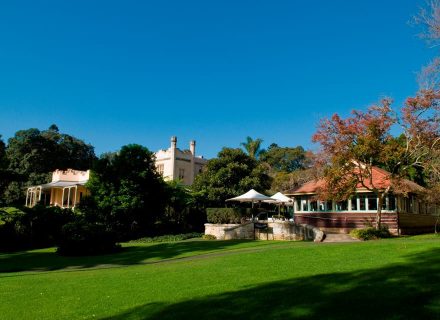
(362, 206)
(181, 174)
(342, 205)
(298, 203)
(160, 169)
(354, 205)
(313, 205)
(329, 205)
(372, 202)
(304, 204)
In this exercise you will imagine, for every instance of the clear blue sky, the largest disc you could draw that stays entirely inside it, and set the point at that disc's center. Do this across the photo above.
(119, 72)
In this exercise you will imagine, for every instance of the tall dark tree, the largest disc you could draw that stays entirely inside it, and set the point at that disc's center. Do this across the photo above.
(127, 194)
(4, 174)
(233, 172)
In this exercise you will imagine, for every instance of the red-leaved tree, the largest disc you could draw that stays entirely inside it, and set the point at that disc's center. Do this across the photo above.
(352, 147)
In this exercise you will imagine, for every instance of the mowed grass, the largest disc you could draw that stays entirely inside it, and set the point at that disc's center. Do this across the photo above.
(386, 279)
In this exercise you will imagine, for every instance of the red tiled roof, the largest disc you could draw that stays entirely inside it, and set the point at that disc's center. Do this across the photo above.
(381, 179)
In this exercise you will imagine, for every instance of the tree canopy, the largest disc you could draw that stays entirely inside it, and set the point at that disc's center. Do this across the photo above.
(232, 173)
(126, 192)
(351, 147)
(286, 159)
(32, 154)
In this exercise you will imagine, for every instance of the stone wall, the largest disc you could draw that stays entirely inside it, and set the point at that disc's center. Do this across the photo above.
(230, 231)
(277, 230)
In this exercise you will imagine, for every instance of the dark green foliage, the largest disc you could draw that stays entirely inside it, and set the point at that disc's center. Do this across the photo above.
(4, 174)
(284, 159)
(127, 194)
(232, 173)
(182, 211)
(169, 238)
(33, 154)
(371, 233)
(82, 238)
(228, 215)
(32, 227)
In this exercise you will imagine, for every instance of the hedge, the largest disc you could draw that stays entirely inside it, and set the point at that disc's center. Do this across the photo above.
(228, 215)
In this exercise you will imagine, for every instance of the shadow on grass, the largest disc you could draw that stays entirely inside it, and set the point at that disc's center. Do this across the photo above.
(40, 260)
(408, 290)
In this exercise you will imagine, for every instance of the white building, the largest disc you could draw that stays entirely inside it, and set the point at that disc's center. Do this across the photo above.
(66, 189)
(176, 164)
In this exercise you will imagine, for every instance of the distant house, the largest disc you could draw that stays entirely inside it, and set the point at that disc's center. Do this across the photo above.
(66, 189)
(403, 213)
(176, 164)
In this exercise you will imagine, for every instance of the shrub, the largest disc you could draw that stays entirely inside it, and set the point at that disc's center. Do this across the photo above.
(371, 233)
(228, 215)
(81, 238)
(169, 238)
(24, 228)
(209, 237)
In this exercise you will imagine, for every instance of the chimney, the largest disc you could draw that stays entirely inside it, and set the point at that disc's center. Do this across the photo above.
(192, 147)
(173, 142)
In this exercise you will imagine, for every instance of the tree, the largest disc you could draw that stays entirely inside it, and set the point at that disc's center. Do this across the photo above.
(284, 159)
(252, 147)
(127, 194)
(352, 147)
(232, 173)
(4, 175)
(421, 116)
(32, 154)
(429, 19)
(282, 181)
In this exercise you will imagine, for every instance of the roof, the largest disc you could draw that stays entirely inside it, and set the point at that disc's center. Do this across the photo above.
(381, 179)
(63, 184)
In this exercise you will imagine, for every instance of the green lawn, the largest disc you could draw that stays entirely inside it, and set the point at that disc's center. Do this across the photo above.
(387, 279)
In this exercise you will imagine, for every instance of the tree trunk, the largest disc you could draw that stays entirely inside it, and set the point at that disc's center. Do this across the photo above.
(381, 197)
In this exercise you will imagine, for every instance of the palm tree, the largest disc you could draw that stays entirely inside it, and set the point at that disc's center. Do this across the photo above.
(253, 147)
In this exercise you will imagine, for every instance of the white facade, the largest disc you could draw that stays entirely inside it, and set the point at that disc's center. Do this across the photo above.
(176, 164)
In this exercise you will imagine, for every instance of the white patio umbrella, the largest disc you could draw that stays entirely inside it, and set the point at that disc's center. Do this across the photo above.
(282, 199)
(253, 197)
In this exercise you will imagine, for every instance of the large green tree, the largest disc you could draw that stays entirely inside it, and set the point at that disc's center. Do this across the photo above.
(286, 159)
(127, 194)
(232, 173)
(32, 154)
